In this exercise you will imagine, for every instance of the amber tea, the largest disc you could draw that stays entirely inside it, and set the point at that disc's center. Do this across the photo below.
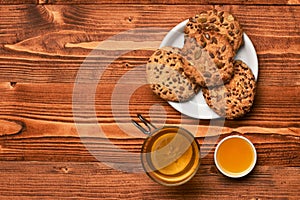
(171, 156)
(235, 156)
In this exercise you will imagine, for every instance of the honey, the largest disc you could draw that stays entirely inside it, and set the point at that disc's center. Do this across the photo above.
(171, 156)
(235, 156)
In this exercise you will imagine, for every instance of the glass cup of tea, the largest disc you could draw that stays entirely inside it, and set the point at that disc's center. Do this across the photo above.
(170, 155)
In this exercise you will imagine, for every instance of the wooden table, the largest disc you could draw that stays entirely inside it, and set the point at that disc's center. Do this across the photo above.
(45, 152)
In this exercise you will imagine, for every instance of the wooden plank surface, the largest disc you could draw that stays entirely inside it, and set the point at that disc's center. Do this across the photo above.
(42, 47)
(86, 180)
(177, 2)
(172, 2)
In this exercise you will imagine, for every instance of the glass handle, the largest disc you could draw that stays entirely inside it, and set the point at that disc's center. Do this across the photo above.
(147, 124)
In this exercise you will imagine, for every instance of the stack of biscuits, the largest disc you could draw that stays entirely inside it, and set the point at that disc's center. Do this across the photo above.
(206, 61)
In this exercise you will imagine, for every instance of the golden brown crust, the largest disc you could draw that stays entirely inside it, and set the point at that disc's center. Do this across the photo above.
(212, 56)
(168, 75)
(219, 21)
(235, 98)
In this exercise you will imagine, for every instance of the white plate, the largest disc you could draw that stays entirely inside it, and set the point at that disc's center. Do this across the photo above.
(197, 107)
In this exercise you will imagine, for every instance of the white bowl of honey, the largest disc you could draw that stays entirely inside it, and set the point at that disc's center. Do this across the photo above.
(235, 156)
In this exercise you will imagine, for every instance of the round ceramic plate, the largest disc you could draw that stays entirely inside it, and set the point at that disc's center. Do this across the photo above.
(197, 107)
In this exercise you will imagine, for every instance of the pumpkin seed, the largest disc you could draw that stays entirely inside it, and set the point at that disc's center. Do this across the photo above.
(197, 54)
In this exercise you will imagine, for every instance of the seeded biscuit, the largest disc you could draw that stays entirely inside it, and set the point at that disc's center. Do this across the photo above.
(192, 53)
(219, 21)
(168, 75)
(212, 56)
(218, 52)
(235, 98)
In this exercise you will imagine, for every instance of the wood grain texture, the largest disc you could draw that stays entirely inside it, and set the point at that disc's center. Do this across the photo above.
(42, 154)
(177, 2)
(172, 2)
(88, 180)
(16, 2)
(64, 37)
